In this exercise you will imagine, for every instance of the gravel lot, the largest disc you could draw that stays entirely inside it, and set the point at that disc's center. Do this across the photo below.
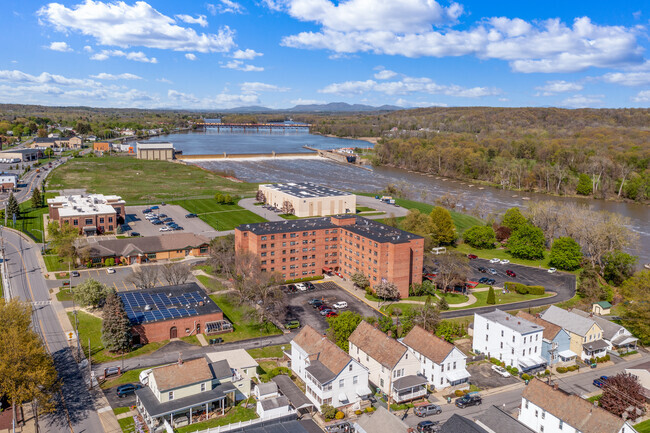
(484, 377)
(298, 307)
(137, 222)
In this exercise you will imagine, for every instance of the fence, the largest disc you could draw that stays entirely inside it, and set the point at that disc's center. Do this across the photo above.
(242, 426)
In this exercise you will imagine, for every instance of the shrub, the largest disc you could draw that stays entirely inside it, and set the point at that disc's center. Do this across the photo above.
(561, 370)
(109, 262)
(523, 289)
(357, 412)
(328, 411)
(370, 409)
(573, 367)
(547, 372)
(514, 371)
(302, 280)
(459, 393)
(340, 415)
(526, 376)
(480, 237)
(495, 361)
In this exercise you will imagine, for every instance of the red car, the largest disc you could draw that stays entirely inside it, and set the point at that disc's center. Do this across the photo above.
(472, 256)
(331, 314)
(322, 307)
(510, 273)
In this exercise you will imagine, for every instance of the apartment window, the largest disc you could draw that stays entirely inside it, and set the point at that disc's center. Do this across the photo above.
(381, 383)
(502, 332)
(350, 368)
(110, 219)
(263, 238)
(524, 340)
(441, 381)
(272, 237)
(543, 414)
(487, 326)
(513, 338)
(454, 365)
(171, 395)
(502, 345)
(536, 413)
(101, 220)
(526, 405)
(355, 380)
(263, 246)
(203, 387)
(486, 337)
(561, 424)
(341, 383)
(284, 236)
(263, 254)
(89, 221)
(442, 367)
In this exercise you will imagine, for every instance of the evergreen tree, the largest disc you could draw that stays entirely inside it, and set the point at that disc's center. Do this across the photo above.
(116, 328)
(37, 199)
(13, 207)
(443, 305)
(513, 219)
(491, 298)
(585, 187)
(443, 228)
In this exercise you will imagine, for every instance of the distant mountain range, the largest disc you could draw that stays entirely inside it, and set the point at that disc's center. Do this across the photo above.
(332, 107)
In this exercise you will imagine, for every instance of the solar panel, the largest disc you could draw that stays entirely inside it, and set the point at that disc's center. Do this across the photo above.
(160, 306)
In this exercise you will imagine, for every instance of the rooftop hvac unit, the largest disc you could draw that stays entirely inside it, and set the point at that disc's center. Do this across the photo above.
(147, 307)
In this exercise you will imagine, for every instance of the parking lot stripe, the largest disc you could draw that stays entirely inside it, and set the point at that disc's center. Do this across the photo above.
(116, 289)
(124, 284)
(160, 282)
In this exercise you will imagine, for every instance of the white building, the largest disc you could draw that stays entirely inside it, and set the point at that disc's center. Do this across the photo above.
(442, 363)
(546, 409)
(275, 407)
(331, 376)
(390, 366)
(309, 199)
(263, 391)
(8, 181)
(510, 339)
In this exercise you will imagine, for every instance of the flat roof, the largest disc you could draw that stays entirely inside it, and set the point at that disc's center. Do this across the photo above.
(517, 324)
(305, 189)
(80, 205)
(25, 150)
(154, 145)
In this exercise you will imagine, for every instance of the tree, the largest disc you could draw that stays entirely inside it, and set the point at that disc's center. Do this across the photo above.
(619, 266)
(41, 133)
(443, 230)
(260, 197)
(420, 224)
(589, 286)
(13, 208)
(622, 392)
(48, 152)
(360, 280)
(585, 186)
(258, 288)
(176, 273)
(116, 328)
(387, 290)
(481, 237)
(27, 371)
(502, 232)
(513, 219)
(37, 199)
(392, 221)
(90, 293)
(565, 254)
(63, 239)
(145, 277)
(426, 316)
(82, 128)
(491, 298)
(527, 242)
(342, 326)
(287, 208)
(636, 291)
(443, 305)
(453, 269)
(222, 255)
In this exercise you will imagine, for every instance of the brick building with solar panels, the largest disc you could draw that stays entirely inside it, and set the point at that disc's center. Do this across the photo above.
(163, 313)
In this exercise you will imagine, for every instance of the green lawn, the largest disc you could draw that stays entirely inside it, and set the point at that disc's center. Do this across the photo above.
(233, 415)
(503, 254)
(453, 298)
(127, 424)
(219, 216)
(121, 410)
(191, 339)
(54, 263)
(268, 352)
(205, 268)
(508, 298)
(64, 295)
(643, 427)
(127, 377)
(244, 328)
(212, 284)
(30, 221)
(142, 181)
(365, 209)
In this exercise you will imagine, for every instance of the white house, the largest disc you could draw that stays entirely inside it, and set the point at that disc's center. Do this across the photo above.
(510, 339)
(275, 407)
(263, 391)
(331, 376)
(547, 409)
(8, 181)
(442, 363)
(390, 365)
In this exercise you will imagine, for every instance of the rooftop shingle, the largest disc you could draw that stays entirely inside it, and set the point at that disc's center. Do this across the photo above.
(424, 342)
(182, 374)
(379, 346)
(320, 348)
(550, 329)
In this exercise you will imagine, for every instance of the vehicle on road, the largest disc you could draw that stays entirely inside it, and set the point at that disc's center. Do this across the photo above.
(468, 400)
(301, 286)
(511, 273)
(74, 273)
(500, 371)
(191, 215)
(126, 389)
(504, 261)
(341, 304)
(600, 382)
(552, 271)
(110, 270)
(495, 260)
(472, 256)
(428, 426)
(492, 271)
(133, 234)
(292, 324)
(164, 229)
(482, 269)
(427, 409)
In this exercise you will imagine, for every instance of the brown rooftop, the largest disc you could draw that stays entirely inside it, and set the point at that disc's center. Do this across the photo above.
(550, 329)
(147, 244)
(320, 348)
(379, 346)
(178, 375)
(424, 342)
(570, 408)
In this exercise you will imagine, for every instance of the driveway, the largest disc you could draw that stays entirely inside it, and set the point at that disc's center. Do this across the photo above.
(381, 206)
(249, 204)
(330, 292)
(484, 377)
(136, 221)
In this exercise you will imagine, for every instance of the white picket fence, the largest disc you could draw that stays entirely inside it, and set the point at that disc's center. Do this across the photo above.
(230, 427)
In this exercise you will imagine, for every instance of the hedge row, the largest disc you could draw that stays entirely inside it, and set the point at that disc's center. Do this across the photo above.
(523, 289)
(569, 368)
(302, 280)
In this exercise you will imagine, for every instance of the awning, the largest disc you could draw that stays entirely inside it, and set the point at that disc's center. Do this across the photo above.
(624, 341)
(326, 269)
(567, 354)
(456, 375)
(531, 361)
(363, 391)
(343, 397)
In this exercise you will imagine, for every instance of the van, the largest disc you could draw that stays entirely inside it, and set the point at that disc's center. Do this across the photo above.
(427, 409)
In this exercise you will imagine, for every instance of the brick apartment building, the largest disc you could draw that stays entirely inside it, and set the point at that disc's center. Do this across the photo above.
(92, 214)
(340, 243)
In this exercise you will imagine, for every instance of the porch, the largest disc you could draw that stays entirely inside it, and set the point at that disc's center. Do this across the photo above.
(532, 363)
(595, 349)
(409, 388)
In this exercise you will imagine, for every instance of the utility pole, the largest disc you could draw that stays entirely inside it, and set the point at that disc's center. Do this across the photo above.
(90, 369)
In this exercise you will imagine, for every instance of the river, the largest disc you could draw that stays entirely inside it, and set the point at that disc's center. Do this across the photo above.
(418, 186)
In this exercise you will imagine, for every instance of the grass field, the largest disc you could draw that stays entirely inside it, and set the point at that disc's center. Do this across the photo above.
(268, 352)
(30, 221)
(365, 209)
(64, 295)
(54, 263)
(643, 427)
(244, 327)
(233, 415)
(142, 181)
(127, 424)
(212, 284)
(503, 254)
(219, 216)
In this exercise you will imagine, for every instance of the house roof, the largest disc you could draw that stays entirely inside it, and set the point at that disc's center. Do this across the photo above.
(146, 245)
(604, 304)
(237, 358)
(550, 329)
(572, 409)
(381, 421)
(521, 326)
(297, 398)
(274, 403)
(411, 381)
(568, 320)
(379, 346)
(499, 420)
(460, 424)
(221, 369)
(178, 375)
(320, 348)
(424, 342)
(610, 329)
(267, 388)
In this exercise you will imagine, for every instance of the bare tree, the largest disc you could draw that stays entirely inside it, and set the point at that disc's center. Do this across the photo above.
(258, 287)
(287, 208)
(387, 291)
(260, 197)
(222, 255)
(428, 316)
(144, 277)
(176, 273)
(453, 269)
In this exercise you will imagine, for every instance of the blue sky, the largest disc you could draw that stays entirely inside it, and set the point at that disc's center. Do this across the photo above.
(279, 53)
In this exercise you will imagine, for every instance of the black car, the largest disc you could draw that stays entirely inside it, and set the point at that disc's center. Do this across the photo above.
(129, 388)
(135, 234)
(483, 280)
(310, 286)
(191, 215)
(156, 222)
(177, 227)
(491, 281)
(317, 303)
(482, 269)
(162, 215)
(428, 426)
(146, 211)
(468, 400)
(75, 273)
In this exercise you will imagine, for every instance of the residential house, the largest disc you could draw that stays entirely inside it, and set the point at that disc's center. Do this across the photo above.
(497, 420)
(275, 407)
(101, 146)
(266, 390)
(586, 336)
(616, 336)
(331, 376)
(244, 369)
(601, 308)
(545, 408)
(459, 424)
(391, 366)
(380, 421)
(556, 341)
(513, 340)
(185, 392)
(442, 363)
(642, 373)
(8, 181)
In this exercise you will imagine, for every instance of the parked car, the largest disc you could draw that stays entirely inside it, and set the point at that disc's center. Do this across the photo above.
(292, 324)
(154, 208)
(322, 307)
(167, 219)
(491, 281)
(110, 371)
(510, 273)
(427, 409)
(74, 273)
(164, 229)
(500, 371)
(492, 271)
(331, 313)
(177, 227)
(133, 234)
(504, 261)
(129, 388)
(318, 304)
(325, 311)
(170, 223)
(428, 426)
(468, 400)
(162, 215)
(552, 271)
(310, 285)
(472, 256)
(110, 270)
(191, 215)
(483, 280)
(482, 269)
(292, 288)
(495, 260)
(313, 301)
(342, 427)
(340, 304)
(301, 286)
(156, 222)
(600, 382)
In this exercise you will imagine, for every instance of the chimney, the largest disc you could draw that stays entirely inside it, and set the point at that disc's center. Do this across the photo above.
(180, 358)
(591, 314)
(518, 323)
(556, 386)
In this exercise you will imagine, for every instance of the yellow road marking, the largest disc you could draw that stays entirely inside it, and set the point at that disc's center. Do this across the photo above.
(116, 289)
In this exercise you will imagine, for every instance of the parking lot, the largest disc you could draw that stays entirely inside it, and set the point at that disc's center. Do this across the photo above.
(484, 377)
(558, 282)
(136, 221)
(328, 291)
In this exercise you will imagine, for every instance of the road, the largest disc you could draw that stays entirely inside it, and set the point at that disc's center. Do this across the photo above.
(74, 410)
(29, 182)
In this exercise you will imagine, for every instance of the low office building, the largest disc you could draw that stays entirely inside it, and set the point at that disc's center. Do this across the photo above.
(57, 142)
(21, 155)
(185, 392)
(512, 340)
(244, 369)
(547, 409)
(390, 366)
(8, 181)
(101, 146)
(556, 344)
(308, 199)
(331, 376)
(164, 313)
(130, 251)
(155, 150)
(616, 336)
(586, 336)
(342, 243)
(441, 363)
(92, 214)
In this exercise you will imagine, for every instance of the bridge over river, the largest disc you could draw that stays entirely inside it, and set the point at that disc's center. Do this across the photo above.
(255, 126)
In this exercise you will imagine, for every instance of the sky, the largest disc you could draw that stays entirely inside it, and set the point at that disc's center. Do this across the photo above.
(280, 53)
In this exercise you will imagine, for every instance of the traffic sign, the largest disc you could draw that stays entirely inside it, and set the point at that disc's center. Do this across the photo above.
(70, 335)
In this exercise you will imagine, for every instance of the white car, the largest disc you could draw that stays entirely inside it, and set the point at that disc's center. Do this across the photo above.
(495, 261)
(301, 286)
(500, 370)
(165, 229)
(552, 271)
(341, 304)
(504, 261)
(110, 271)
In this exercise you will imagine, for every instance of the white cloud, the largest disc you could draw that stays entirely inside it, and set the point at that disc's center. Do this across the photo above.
(240, 66)
(274, 5)
(642, 96)
(123, 25)
(59, 46)
(200, 19)
(404, 103)
(137, 56)
(190, 56)
(124, 76)
(301, 101)
(246, 54)
(385, 74)
(44, 78)
(225, 6)
(559, 86)
(222, 100)
(582, 101)
(628, 78)
(164, 80)
(256, 87)
(88, 48)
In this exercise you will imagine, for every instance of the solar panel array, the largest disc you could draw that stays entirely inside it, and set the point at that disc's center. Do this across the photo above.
(161, 306)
